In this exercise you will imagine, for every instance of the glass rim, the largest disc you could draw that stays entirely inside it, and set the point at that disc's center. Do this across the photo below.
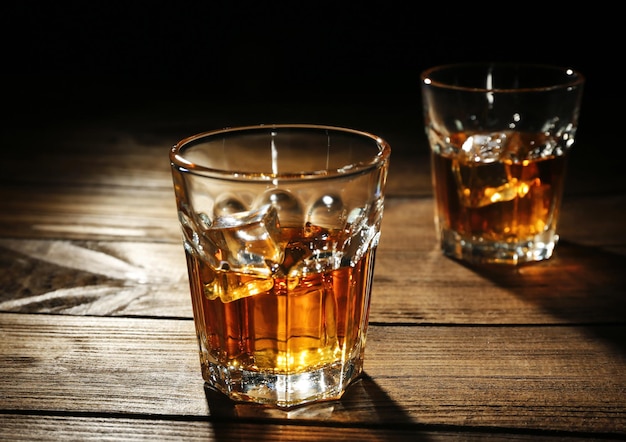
(572, 77)
(178, 160)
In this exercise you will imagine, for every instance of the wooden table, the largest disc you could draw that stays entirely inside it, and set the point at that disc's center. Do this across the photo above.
(96, 330)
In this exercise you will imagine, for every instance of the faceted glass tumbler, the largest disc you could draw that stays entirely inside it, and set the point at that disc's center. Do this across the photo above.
(500, 136)
(280, 228)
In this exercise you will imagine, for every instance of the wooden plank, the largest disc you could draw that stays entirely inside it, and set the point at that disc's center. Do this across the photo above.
(108, 158)
(88, 212)
(56, 428)
(94, 278)
(579, 285)
(528, 378)
(593, 222)
(149, 213)
(112, 152)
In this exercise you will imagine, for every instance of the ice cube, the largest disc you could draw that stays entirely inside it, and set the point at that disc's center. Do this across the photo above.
(483, 148)
(248, 242)
(486, 184)
(230, 286)
(362, 232)
(530, 146)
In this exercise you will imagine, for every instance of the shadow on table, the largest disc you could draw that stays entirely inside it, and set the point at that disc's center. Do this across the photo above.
(580, 285)
(364, 407)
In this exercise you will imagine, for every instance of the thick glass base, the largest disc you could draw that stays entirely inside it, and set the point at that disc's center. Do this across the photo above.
(479, 251)
(282, 390)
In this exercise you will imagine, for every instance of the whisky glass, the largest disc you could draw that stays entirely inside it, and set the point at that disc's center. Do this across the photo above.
(280, 228)
(500, 135)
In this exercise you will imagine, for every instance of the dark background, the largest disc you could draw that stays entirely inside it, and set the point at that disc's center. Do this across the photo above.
(260, 62)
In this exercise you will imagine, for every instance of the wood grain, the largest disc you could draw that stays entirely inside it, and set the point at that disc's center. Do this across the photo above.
(519, 377)
(55, 428)
(96, 331)
(117, 273)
